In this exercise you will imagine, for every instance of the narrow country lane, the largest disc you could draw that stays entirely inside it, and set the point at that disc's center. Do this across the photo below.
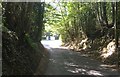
(66, 62)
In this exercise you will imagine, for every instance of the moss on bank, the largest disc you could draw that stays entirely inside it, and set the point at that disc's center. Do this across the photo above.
(21, 57)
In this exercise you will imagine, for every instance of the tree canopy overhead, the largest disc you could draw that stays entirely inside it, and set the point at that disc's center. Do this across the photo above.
(96, 23)
(90, 27)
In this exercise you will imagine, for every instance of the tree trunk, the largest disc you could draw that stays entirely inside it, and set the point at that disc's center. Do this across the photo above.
(113, 13)
(116, 33)
(104, 14)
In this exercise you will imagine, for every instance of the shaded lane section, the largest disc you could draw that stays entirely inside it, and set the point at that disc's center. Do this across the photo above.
(66, 62)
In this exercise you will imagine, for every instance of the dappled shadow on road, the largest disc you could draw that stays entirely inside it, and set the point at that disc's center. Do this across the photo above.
(67, 62)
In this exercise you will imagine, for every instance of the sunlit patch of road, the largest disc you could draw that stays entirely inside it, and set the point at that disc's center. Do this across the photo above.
(63, 61)
(52, 44)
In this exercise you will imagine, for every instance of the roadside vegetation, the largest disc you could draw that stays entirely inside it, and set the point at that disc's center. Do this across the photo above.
(22, 51)
(91, 28)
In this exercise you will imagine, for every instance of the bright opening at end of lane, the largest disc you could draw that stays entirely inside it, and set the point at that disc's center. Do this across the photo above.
(52, 44)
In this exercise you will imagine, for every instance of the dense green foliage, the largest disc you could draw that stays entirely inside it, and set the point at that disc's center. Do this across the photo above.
(85, 25)
(29, 15)
(21, 35)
